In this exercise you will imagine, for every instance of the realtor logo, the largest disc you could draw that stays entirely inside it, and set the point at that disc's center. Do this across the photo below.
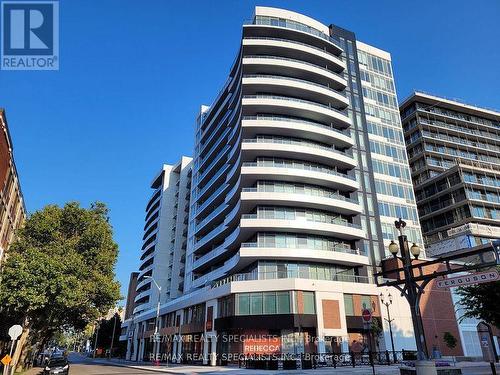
(30, 35)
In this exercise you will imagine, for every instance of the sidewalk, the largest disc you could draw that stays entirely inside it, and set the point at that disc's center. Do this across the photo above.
(467, 368)
(232, 370)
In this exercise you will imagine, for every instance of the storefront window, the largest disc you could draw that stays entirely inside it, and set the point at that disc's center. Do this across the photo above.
(256, 303)
(270, 303)
(283, 302)
(243, 304)
(348, 305)
(309, 304)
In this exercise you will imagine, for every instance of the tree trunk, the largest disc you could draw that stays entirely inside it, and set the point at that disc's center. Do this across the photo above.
(20, 345)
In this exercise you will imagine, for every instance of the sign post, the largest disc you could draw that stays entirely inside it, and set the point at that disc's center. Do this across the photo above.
(366, 316)
(14, 332)
(487, 345)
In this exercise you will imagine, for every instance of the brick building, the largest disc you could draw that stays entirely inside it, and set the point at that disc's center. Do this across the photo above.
(12, 209)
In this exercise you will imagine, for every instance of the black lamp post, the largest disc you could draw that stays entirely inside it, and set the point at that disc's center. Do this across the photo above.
(412, 290)
(387, 302)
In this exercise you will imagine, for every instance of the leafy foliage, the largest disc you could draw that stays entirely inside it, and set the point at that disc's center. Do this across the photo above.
(449, 340)
(481, 301)
(59, 273)
(106, 331)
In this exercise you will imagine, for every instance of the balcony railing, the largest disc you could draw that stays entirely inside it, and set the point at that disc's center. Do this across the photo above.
(293, 26)
(288, 99)
(341, 93)
(267, 215)
(251, 276)
(345, 132)
(294, 42)
(295, 61)
(325, 194)
(299, 166)
(295, 143)
(340, 249)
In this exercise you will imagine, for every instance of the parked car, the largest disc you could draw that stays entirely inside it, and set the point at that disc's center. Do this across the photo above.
(57, 365)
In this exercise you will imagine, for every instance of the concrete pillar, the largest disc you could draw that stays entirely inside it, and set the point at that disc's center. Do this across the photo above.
(129, 348)
(141, 350)
(425, 368)
(321, 345)
(205, 350)
(345, 346)
(179, 349)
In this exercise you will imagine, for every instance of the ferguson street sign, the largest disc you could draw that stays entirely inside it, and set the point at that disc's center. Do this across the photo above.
(475, 278)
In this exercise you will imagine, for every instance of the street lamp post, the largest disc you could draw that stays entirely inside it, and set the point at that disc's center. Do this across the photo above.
(412, 288)
(387, 302)
(156, 344)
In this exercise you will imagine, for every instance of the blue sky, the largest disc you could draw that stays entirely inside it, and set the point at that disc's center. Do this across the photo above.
(134, 73)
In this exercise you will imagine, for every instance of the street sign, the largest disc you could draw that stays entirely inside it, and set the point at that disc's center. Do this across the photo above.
(15, 331)
(474, 278)
(6, 360)
(486, 340)
(367, 316)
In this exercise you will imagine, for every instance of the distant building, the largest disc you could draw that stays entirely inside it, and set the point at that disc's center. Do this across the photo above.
(131, 293)
(12, 209)
(165, 237)
(454, 155)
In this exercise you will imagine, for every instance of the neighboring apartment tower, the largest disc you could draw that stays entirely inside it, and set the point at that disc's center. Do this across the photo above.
(12, 209)
(454, 151)
(131, 293)
(165, 235)
(299, 171)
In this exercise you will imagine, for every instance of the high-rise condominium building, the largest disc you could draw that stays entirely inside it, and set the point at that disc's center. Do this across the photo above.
(12, 209)
(163, 252)
(299, 171)
(454, 152)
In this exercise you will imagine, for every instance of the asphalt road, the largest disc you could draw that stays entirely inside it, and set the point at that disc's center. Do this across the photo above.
(82, 366)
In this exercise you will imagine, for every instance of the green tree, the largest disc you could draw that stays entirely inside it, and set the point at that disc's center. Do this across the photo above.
(376, 331)
(59, 273)
(105, 336)
(449, 340)
(481, 301)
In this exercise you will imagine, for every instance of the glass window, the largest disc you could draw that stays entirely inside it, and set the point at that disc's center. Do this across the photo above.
(256, 303)
(270, 303)
(348, 305)
(366, 302)
(243, 304)
(283, 299)
(309, 304)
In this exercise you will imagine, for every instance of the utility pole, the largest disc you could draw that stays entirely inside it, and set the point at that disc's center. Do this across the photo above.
(96, 337)
(387, 303)
(112, 338)
(156, 341)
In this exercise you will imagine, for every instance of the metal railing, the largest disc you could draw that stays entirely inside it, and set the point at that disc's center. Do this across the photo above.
(294, 42)
(298, 166)
(289, 99)
(291, 361)
(323, 194)
(295, 143)
(296, 61)
(266, 215)
(345, 132)
(273, 76)
(273, 275)
(288, 24)
(339, 249)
